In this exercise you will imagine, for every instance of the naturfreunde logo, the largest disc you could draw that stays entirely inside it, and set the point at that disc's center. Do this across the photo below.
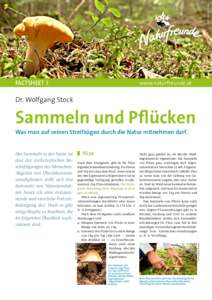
(170, 30)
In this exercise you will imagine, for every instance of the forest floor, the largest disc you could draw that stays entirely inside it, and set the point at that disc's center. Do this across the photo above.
(115, 55)
(189, 264)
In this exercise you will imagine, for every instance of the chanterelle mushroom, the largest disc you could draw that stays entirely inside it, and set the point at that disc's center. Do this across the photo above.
(41, 33)
(92, 258)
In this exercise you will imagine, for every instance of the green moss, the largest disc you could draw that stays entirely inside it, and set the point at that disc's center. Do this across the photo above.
(112, 53)
(189, 266)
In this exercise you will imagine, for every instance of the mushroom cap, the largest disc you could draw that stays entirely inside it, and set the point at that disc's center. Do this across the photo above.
(50, 29)
(91, 256)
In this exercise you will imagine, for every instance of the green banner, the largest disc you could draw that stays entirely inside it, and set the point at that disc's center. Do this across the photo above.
(19, 82)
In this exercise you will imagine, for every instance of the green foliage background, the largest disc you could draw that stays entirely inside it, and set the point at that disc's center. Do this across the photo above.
(106, 39)
(189, 256)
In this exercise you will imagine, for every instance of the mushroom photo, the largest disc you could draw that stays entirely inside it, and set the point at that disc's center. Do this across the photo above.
(92, 259)
(91, 263)
(111, 39)
(41, 33)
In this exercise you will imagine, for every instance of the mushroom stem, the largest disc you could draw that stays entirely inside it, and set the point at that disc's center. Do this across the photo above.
(92, 267)
(33, 56)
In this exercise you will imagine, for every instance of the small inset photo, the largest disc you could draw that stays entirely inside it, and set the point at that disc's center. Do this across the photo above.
(91, 263)
(168, 259)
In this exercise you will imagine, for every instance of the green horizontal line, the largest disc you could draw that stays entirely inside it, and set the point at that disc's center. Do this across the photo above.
(19, 82)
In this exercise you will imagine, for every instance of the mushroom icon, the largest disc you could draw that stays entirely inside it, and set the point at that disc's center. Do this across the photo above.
(92, 259)
(42, 33)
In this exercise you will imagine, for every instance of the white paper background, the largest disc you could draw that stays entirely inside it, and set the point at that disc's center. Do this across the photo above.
(37, 263)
